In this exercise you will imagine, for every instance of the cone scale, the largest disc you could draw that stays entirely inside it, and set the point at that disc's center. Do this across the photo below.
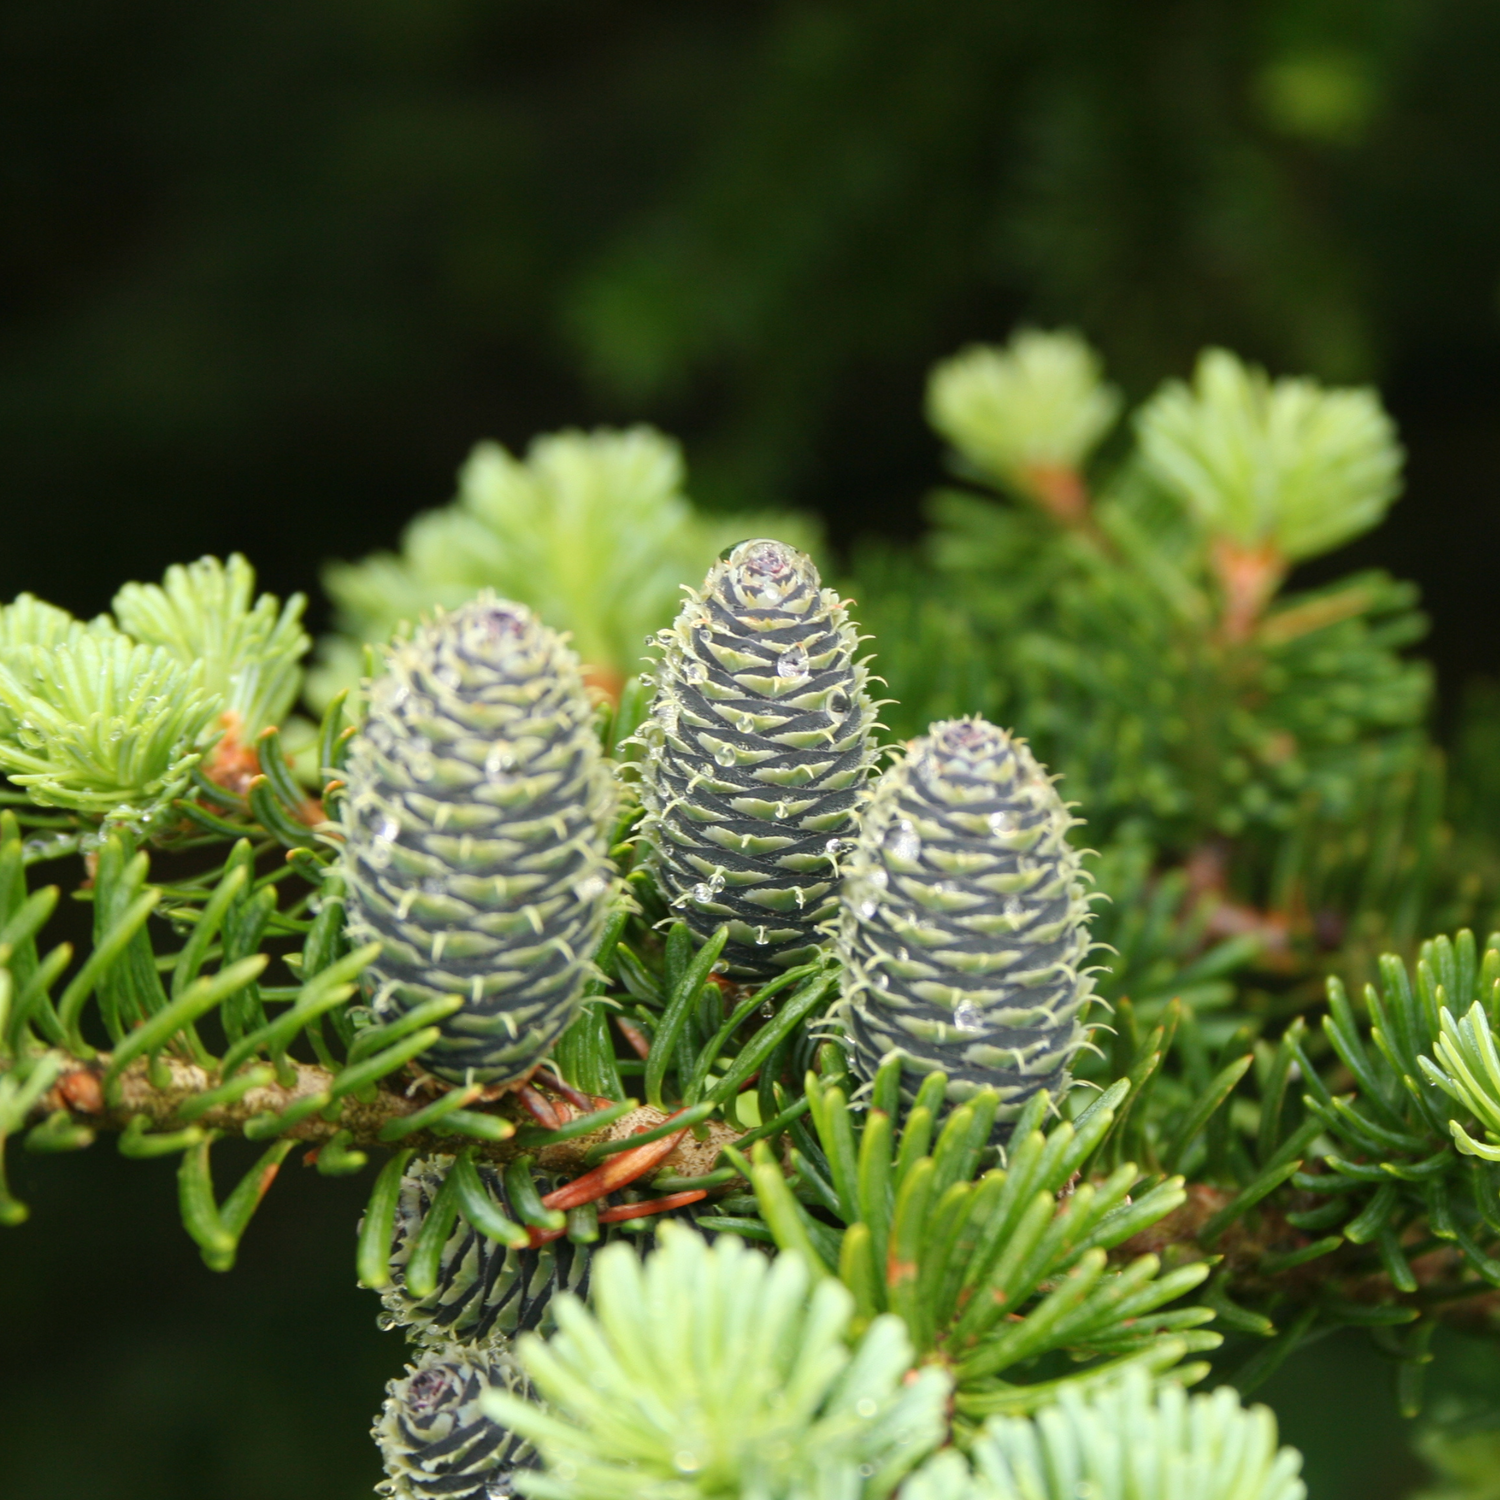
(476, 831)
(758, 748)
(964, 921)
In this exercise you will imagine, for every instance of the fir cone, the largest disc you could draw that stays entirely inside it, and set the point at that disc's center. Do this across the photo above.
(476, 826)
(485, 1291)
(964, 921)
(435, 1441)
(757, 750)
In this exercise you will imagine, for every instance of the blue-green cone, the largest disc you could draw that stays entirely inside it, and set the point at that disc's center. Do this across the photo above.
(485, 1291)
(436, 1442)
(760, 740)
(476, 826)
(964, 920)
(488, 1293)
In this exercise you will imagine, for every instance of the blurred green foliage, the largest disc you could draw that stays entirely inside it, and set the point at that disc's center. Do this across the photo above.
(592, 531)
(282, 264)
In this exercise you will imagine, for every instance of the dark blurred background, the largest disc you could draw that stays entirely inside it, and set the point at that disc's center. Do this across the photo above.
(269, 269)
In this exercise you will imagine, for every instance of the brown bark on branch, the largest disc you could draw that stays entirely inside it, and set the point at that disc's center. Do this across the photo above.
(80, 1091)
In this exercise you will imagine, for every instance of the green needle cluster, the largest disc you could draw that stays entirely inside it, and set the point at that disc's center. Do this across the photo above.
(103, 727)
(1025, 413)
(1419, 1142)
(1122, 1442)
(110, 723)
(1285, 463)
(250, 648)
(713, 1371)
(991, 1270)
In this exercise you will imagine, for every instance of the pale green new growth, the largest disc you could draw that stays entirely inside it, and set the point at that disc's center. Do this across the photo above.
(1283, 462)
(110, 722)
(1470, 1073)
(202, 612)
(1040, 402)
(1122, 1443)
(103, 726)
(717, 1372)
(1125, 1444)
(29, 621)
(591, 530)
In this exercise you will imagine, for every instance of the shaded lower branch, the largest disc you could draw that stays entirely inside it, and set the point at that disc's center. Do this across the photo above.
(1447, 1286)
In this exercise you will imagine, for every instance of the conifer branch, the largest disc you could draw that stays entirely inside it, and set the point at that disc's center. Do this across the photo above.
(159, 1101)
(1268, 1256)
(498, 947)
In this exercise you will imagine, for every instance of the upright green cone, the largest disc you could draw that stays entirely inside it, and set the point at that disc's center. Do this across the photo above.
(476, 826)
(964, 920)
(760, 740)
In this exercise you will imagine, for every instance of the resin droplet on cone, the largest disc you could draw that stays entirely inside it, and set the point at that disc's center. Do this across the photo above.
(757, 751)
(964, 920)
(476, 827)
